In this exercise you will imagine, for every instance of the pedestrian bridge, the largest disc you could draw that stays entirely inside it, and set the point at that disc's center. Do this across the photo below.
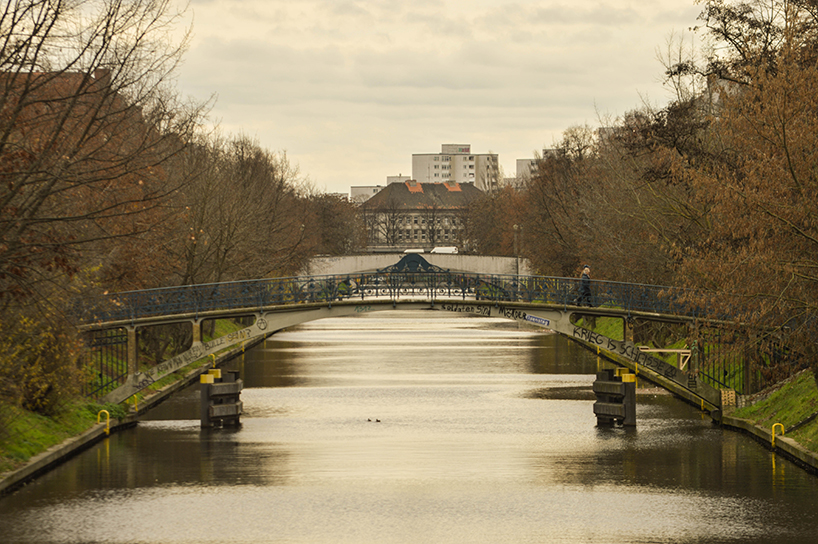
(411, 284)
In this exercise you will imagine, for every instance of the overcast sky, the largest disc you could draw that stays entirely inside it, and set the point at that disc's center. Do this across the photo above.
(351, 89)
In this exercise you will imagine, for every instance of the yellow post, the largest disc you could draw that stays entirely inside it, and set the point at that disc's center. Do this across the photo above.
(773, 431)
(108, 422)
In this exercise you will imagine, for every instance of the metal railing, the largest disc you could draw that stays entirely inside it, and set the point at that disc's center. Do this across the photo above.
(431, 286)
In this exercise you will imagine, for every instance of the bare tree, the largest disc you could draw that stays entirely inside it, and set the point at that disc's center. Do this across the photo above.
(333, 227)
(88, 127)
(432, 221)
(242, 217)
(89, 131)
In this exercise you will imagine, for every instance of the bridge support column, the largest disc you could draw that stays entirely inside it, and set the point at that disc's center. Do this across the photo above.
(615, 392)
(220, 403)
(627, 329)
(197, 331)
(133, 351)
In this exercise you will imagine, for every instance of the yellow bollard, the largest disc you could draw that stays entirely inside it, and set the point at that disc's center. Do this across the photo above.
(108, 422)
(773, 431)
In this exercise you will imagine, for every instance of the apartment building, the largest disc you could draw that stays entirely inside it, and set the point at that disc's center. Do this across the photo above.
(457, 164)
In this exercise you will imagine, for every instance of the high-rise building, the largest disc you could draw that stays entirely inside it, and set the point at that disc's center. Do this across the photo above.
(457, 164)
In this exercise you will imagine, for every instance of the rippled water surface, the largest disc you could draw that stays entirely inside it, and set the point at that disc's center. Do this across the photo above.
(410, 427)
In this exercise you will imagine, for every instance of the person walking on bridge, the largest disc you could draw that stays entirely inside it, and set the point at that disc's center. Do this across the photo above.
(585, 287)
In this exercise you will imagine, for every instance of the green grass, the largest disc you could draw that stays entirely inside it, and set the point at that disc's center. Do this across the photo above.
(26, 434)
(788, 403)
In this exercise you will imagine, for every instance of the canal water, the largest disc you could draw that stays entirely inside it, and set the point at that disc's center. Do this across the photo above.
(410, 427)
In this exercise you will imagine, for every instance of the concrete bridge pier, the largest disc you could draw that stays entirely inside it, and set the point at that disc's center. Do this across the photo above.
(627, 328)
(197, 330)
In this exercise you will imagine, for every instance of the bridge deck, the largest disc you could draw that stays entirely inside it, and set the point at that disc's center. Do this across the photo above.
(278, 303)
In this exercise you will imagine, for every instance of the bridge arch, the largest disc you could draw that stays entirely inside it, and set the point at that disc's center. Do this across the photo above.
(411, 283)
(560, 320)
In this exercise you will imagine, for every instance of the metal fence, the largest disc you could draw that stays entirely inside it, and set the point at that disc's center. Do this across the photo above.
(257, 294)
(106, 359)
(727, 357)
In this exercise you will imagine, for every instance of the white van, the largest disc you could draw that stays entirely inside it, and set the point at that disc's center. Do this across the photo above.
(445, 249)
(414, 251)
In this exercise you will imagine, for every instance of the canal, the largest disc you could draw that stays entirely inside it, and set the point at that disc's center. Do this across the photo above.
(409, 427)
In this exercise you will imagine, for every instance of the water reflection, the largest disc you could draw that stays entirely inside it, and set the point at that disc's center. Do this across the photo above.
(400, 427)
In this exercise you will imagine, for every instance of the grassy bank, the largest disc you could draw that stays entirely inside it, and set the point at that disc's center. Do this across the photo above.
(791, 403)
(24, 434)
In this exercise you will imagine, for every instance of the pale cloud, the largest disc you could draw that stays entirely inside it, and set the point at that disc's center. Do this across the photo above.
(350, 89)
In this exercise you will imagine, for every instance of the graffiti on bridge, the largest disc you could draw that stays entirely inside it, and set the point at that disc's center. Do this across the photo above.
(484, 311)
(632, 352)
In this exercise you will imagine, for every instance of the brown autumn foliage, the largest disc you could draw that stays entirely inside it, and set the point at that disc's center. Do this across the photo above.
(559, 211)
(762, 248)
(491, 221)
(615, 201)
(335, 226)
(715, 191)
(85, 138)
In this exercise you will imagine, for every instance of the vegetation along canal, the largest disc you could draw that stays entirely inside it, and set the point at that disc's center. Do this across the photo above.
(419, 427)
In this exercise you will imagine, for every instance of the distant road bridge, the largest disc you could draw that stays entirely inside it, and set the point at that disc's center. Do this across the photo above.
(413, 283)
(459, 262)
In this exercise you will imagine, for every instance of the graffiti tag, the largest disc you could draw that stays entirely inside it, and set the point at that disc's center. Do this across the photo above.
(484, 311)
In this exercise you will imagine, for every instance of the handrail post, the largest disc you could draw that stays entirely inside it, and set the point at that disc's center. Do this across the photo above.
(773, 432)
(108, 421)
